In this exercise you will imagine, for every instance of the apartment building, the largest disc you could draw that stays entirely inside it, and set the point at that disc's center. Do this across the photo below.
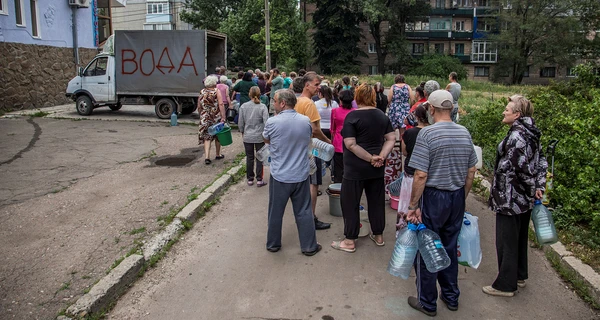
(150, 15)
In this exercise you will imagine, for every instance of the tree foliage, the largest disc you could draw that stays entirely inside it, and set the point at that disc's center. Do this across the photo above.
(244, 23)
(535, 32)
(438, 66)
(336, 36)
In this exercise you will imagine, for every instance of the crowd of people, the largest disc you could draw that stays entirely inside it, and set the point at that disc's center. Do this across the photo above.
(410, 133)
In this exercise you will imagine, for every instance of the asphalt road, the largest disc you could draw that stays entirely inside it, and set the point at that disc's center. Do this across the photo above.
(221, 270)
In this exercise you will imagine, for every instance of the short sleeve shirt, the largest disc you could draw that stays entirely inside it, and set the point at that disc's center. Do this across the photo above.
(369, 128)
(243, 87)
(445, 151)
(289, 133)
(308, 108)
(276, 84)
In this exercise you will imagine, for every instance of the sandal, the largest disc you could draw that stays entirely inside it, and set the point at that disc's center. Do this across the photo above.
(219, 157)
(207, 161)
(250, 182)
(379, 244)
(319, 193)
(337, 245)
(260, 183)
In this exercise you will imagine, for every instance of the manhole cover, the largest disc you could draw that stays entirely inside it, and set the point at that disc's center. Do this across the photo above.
(174, 161)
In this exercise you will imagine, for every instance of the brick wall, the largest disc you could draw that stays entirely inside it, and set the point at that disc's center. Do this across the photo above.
(34, 76)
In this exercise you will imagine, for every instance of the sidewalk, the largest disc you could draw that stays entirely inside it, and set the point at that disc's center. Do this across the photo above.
(221, 270)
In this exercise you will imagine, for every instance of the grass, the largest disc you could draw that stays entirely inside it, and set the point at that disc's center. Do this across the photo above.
(583, 243)
(39, 114)
(138, 230)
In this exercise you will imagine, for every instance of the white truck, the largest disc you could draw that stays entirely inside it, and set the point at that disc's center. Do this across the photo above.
(146, 67)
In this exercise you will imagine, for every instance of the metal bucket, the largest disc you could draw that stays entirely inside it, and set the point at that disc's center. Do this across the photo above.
(335, 205)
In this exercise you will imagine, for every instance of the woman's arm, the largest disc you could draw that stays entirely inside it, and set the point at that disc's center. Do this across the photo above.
(404, 152)
(388, 145)
(221, 106)
(332, 125)
(390, 94)
(357, 150)
(228, 97)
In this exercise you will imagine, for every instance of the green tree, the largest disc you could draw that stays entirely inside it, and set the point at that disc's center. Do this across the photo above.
(534, 32)
(203, 14)
(336, 36)
(397, 13)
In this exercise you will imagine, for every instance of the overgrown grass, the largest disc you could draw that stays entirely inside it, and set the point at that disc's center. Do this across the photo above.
(39, 114)
(575, 283)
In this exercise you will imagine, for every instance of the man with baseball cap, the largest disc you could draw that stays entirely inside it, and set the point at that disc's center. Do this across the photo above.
(444, 161)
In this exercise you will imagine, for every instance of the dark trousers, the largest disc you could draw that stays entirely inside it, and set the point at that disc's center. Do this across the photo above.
(350, 199)
(250, 148)
(279, 194)
(338, 167)
(441, 211)
(511, 247)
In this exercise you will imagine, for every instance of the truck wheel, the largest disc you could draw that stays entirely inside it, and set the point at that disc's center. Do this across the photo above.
(84, 105)
(164, 108)
(115, 107)
(188, 108)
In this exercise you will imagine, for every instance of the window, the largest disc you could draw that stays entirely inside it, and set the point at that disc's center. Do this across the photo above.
(482, 3)
(462, 3)
(418, 48)
(439, 24)
(548, 72)
(439, 4)
(484, 51)
(373, 70)
(155, 26)
(3, 7)
(459, 49)
(35, 30)
(526, 72)
(158, 8)
(482, 71)
(19, 13)
(439, 48)
(459, 26)
(96, 68)
(372, 48)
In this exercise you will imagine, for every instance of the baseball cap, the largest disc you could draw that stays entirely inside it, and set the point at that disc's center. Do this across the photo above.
(437, 98)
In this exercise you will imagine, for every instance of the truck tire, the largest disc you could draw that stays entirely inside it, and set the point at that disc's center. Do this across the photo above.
(115, 107)
(164, 108)
(84, 105)
(188, 108)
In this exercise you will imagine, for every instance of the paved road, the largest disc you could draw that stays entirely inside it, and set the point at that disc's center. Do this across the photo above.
(221, 270)
(76, 195)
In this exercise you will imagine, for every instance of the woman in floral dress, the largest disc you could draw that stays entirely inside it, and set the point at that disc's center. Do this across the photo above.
(399, 102)
(212, 111)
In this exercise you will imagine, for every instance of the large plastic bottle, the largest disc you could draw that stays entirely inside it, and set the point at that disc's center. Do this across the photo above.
(432, 250)
(404, 252)
(322, 150)
(264, 155)
(216, 128)
(469, 247)
(545, 231)
(173, 118)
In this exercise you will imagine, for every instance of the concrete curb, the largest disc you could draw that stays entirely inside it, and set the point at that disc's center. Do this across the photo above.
(110, 288)
(567, 260)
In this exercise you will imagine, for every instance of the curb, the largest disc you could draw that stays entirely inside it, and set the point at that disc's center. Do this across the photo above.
(566, 259)
(109, 289)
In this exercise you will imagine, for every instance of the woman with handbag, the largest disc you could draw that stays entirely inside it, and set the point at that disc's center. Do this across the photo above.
(251, 122)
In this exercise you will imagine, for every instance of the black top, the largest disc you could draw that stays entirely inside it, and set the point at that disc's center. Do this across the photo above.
(382, 102)
(369, 128)
(410, 137)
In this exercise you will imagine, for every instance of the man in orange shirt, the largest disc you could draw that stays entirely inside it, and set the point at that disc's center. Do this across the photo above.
(307, 107)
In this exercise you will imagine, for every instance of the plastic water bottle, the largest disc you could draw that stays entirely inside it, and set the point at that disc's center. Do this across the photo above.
(322, 150)
(216, 128)
(264, 155)
(395, 186)
(545, 231)
(432, 250)
(313, 165)
(469, 247)
(404, 252)
(173, 118)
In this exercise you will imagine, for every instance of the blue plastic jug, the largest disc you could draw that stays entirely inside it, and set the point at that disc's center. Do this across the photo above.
(173, 118)
(216, 128)
(404, 252)
(432, 250)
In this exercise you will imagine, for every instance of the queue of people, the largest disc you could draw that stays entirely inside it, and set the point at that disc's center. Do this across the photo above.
(362, 124)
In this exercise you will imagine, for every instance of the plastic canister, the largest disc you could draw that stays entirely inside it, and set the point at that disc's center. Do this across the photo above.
(479, 153)
(365, 226)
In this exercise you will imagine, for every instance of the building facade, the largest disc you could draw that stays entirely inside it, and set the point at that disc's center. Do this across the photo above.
(150, 15)
(37, 47)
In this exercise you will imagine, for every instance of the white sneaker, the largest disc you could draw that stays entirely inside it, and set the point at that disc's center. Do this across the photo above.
(493, 292)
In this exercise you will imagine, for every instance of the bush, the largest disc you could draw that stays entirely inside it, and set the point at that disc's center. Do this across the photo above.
(564, 111)
(440, 66)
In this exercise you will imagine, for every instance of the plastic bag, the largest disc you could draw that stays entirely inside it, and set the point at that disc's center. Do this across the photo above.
(469, 245)
(405, 193)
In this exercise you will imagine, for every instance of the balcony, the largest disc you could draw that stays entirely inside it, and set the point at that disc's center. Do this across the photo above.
(159, 18)
(453, 12)
(417, 34)
(439, 34)
(462, 35)
(464, 58)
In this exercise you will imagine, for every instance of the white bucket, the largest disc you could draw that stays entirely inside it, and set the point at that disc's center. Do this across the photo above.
(479, 153)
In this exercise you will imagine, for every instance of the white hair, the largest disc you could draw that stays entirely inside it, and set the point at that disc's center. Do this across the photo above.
(210, 81)
(223, 79)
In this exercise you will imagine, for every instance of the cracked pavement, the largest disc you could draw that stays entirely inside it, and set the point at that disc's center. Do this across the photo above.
(71, 192)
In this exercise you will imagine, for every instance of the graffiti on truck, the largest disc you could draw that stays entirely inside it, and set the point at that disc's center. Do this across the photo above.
(146, 63)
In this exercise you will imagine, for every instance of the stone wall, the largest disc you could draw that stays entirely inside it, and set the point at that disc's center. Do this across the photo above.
(34, 76)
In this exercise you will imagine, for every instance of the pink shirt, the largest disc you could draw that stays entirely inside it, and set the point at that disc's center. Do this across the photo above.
(223, 88)
(338, 115)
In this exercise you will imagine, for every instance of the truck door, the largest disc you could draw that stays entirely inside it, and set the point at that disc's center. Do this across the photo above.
(95, 79)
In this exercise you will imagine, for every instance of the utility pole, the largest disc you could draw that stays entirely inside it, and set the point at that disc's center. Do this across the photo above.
(267, 37)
